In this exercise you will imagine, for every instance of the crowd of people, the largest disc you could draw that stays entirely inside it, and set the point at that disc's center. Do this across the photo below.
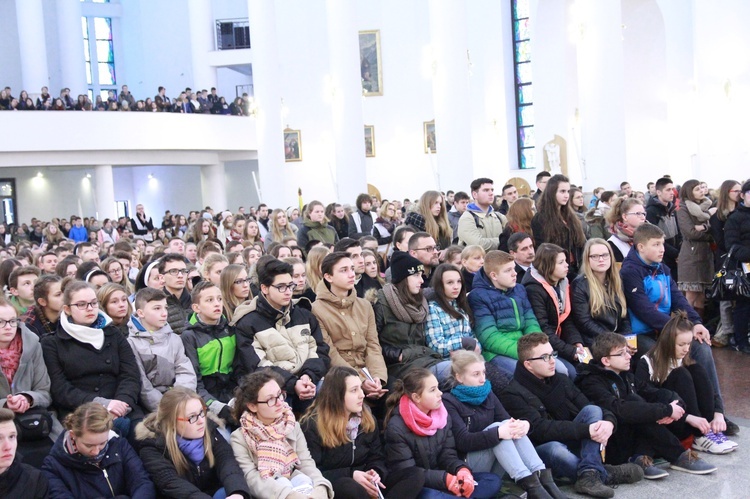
(386, 349)
(200, 102)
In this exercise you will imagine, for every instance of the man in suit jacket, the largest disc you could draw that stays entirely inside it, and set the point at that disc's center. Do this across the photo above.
(521, 248)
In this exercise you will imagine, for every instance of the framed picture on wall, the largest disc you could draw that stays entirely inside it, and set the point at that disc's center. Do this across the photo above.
(430, 146)
(292, 145)
(369, 141)
(370, 65)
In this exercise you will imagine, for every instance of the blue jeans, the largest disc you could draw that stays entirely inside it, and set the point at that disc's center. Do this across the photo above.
(562, 366)
(508, 365)
(488, 485)
(220, 494)
(441, 370)
(571, 458)
(517, 457)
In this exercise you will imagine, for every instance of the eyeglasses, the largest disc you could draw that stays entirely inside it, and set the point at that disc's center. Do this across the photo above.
(10, 322)
(194, 418)
(176, 272)
(428, 249)
(84, 305)
(736, 190)
(546, 357)
(624, 353)
(240, 282)
(283, 288)
(274, 400)
(601, 258)
(639, 214)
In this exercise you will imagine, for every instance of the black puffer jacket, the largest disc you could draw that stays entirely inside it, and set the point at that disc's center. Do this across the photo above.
(178, 310)
(468, 423)
(436, 454)
(364, 454)
(737, 233)
(22, 480)
(609, 320)
(203, 481)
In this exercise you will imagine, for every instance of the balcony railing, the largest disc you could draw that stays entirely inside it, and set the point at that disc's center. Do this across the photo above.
(232, 34)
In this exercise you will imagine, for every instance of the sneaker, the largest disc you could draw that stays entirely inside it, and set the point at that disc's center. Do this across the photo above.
(623, 473)
(732, 428)
(650, 472)
(690, 462)
(712, 444)
(723, 439)
(590, 483)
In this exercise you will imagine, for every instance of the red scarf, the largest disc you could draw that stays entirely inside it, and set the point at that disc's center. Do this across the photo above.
(420, 423)
(10, 358)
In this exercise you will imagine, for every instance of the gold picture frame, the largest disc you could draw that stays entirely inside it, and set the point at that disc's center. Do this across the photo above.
(370, 63)
(292, 145)
(430, 142)
(369, 141)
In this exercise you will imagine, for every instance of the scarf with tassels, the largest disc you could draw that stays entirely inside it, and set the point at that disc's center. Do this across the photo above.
(276, 457)
(418, 422)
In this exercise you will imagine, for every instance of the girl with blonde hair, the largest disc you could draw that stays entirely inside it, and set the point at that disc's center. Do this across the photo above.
(314, 260)
(235, 288)
(279, 228)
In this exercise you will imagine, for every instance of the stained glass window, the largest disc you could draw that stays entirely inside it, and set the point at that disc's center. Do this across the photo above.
(523, 77)
(99, 54)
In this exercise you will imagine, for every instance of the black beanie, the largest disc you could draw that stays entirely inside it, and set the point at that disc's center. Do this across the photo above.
(403, 265)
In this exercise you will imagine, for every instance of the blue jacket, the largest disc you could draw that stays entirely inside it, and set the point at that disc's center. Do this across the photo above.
(79, 234)
(651, 294)
(120, 473)
(500, 317)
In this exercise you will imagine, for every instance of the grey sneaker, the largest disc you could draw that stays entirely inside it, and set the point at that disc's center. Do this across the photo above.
(623, 473)
(590, 483)
(650, 472)
(690, 462)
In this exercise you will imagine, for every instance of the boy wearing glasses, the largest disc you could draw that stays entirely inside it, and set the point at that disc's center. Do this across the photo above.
(568, 431)
(273, 331)
(159, 352)
(641, 424)
(179, 305)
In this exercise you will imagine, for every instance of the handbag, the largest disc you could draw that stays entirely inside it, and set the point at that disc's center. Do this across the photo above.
(34, 424)
(730, 282)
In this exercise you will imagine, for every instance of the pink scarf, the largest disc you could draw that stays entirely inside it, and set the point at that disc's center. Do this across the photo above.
(420, 423)
(10, 358)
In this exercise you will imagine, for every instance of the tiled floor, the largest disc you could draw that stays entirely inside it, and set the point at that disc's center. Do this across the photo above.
(734, 377)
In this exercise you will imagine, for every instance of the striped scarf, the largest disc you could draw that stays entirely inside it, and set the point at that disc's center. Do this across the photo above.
(276, 457)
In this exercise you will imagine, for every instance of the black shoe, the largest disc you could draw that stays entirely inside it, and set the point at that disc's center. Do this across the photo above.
(742, 348)
(533, 488)
(623, 473)
(590, 483)
(732, 428)
(545, 478)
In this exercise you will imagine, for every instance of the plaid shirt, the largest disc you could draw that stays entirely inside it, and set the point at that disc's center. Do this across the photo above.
(444, 333)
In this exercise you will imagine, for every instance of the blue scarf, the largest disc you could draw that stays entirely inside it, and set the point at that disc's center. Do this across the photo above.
(192, 448)
(472, 395)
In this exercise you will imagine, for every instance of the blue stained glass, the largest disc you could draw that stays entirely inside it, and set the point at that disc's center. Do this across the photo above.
(521, 29)
(523, 51)
(526, 115)
(103, 28)
(520, 9)
(104, 51)
(523, 73)
(527, 158)
(525, 94)
(526, 136)
(106, 73)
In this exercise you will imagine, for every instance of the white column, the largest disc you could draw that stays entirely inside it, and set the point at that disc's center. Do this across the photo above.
(70, 39)
(274, 189)
(202, 34)
(600, 93)
(346, 101)
(450, 90)
(214, 186)
(104, 195)
(32, 45)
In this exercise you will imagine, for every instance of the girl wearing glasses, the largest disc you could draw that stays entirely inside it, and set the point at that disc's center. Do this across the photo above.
(184, 453)
(113, 267)
(90, 361)
(626, 215)
(89, 460)
(598, 299)
(235, 288)
(270, 446)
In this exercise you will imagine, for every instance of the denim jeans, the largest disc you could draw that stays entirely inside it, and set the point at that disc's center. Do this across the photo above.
(220, 494)
(508, 365)
(517, 457)
(441, 370)
(488, 485)
(571, 458)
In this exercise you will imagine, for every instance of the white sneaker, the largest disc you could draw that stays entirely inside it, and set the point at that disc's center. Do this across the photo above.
(712, 444)
(723, 439)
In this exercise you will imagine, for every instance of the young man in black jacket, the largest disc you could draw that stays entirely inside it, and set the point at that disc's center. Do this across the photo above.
(641, 425)
(568, 431)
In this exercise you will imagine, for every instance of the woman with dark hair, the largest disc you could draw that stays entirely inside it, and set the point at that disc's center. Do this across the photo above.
(548, 290)
(519, 218)
(339, 221)
(44, 316)
(67, 267)
(450, 320)
(695, 264)
(343, 438)
(6, 268)
(556, 223)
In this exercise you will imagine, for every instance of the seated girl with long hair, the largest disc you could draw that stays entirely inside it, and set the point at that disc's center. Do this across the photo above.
(487, 437)
(418, 434)
(344, 441)
(185, 454)
(450, 320)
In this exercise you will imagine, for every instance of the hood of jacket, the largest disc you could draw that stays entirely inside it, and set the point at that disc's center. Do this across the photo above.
(482, 281)
(634, 258)
(136, 330)
(59, 453)
(261, 305)
(147, 429)
(323, 293)
(211, 329)
(663, 210)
